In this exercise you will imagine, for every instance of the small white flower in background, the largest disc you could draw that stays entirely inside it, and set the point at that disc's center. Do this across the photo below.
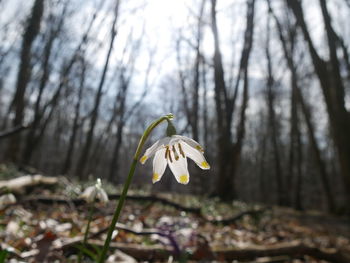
(7, 199)
(173, 151)
(95, 191)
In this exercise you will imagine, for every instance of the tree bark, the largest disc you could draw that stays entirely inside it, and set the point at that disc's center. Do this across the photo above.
(299, 99)
(68, 160)
(332, 86)
(271, 94)
(94, 115)
(46, 70)
(24, 75)
(229, 151)
(113, 171)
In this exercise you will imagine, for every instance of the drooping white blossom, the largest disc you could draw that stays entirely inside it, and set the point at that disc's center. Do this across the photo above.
(95, 192)
(173, 151)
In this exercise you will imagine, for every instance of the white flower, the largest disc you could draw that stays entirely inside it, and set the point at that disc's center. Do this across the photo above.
(173, 151)
(7, 199)
(95, 191)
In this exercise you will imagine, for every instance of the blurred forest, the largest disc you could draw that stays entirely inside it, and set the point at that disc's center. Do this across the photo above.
(263, 85)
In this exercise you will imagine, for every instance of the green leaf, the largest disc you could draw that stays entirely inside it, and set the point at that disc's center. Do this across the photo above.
(3, 255)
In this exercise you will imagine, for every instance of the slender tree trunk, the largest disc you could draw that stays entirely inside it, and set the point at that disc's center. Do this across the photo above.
(46, 70)
(294, 127)
(50, 106)
(298, 184)
(223, 188)
(94, 116)
(271, 94)
(68, 160)
(332, 87)
(102, 141)
(317, 152)
(229, 152)
(289, 55)
(24, 75)
(262, 166)
(196, 78)
(205, 107)
(113, 171)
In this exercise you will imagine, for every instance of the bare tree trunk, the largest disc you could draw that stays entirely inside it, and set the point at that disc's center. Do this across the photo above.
(289, 55)
(319, 159)
(229, 152)
(205, 107)
(190, 92)
(120, 114)
(97, 152)
(46, 70)
(294, 129)
(196, 79)
(68, 160)
(223, 188)
(52, 103)
(94, 116)
(261, 164)
(332, 87)
(24, 74)
(271, 94)
(113, 171)
(298, 184)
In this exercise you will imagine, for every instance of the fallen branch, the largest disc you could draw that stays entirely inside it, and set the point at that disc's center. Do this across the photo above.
(227, 221)
(158, 199)
(143, 198)
(152, 198)
(21, 184)
(73, 241)
(294, 250)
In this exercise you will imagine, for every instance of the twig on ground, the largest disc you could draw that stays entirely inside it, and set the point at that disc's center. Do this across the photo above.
(152, 198)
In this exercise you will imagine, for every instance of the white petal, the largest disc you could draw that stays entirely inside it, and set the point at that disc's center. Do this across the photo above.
(190, 142)
(98, 184)
(151, 150)
(102, 196)
(89, 194)
(195, 155)
(179, 169)
(159, 165)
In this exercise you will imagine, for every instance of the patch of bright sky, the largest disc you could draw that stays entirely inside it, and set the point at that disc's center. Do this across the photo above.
(158, 22)
(12, 11)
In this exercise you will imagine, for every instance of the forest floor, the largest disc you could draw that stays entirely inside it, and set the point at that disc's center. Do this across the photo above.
(46, 224)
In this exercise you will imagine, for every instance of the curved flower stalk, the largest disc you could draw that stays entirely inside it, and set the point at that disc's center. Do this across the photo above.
(90, 195)
(127, 183)
(173, 151)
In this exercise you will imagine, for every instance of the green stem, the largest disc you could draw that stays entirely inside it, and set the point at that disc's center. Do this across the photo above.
(87, 230)
(127, 184)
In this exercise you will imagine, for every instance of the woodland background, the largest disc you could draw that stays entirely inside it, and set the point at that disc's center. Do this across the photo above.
(263, 85)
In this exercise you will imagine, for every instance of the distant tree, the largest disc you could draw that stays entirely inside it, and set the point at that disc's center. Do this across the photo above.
(332, 85)
(273, 124)
(298, 103)
(24, 74)
(229, 151)
(54, 25)
(190, 89)
(76, 120)
(95, 111)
